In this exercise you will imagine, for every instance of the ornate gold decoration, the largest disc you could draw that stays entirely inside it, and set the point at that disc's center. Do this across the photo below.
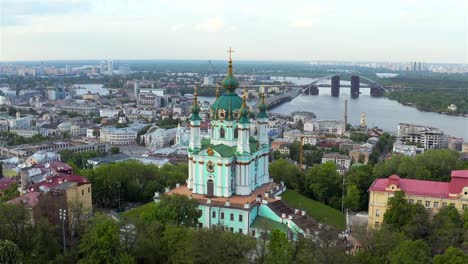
(210, 151)
(210, 166)
(222, 114)
(236, 114)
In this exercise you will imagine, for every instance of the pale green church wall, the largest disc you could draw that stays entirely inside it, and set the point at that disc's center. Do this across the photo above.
(265, 211)
(208, 220)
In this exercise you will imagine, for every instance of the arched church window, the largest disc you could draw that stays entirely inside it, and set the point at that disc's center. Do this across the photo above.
(222, 132)
(236, 132)
(255, 132)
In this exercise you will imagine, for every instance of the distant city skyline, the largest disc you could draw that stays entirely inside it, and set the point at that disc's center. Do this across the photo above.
(298, 30)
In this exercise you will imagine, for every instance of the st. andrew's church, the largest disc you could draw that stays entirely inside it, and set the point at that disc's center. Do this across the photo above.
(228, 173)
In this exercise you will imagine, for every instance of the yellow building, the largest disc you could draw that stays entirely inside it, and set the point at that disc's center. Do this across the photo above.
(431, 194)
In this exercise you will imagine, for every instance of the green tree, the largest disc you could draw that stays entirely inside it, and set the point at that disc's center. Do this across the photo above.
(15, 225)
(281, 170)
(410, 252)
(324, 184)
(217, 246)
(399, 212)
(451, 255)
(352, 198)
(177, 244)
(279, 248)
(46, 245)
(10, 193)
(377, 244)
(148, 245)
(418, 226)
(362, 177)
(101, 242)
(175, 209)
(447, 229)
(114, 150)
(359, 137)
(10, 253)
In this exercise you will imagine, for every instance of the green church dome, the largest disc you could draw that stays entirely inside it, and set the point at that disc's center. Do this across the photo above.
(226, 106)
(230, 83)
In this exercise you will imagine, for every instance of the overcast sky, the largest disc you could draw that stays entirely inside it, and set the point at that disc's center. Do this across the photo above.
(343, 30)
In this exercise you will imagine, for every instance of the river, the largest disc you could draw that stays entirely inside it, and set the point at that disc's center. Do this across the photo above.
(380, 111)
(92, 88)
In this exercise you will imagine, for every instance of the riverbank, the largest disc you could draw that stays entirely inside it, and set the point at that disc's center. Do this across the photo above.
(433, 101)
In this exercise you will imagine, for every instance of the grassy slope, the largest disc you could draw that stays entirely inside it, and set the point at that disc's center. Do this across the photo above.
(135, 212)
(321, 212)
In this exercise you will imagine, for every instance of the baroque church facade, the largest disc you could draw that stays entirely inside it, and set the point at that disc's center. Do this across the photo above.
(228, 173)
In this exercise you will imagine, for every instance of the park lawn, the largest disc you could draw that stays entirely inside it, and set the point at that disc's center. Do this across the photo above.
(319, 211)
(136, 212)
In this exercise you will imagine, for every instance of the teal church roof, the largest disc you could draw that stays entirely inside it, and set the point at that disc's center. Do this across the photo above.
(228, 105)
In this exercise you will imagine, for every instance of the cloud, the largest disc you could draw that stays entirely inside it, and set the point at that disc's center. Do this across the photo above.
(302, 23)
(177, 27)
(213, 24)
(20, 12)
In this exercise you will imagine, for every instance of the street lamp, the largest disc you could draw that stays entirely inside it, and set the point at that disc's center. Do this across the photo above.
(63, 217)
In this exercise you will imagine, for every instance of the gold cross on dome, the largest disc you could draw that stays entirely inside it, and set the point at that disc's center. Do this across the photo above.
(230, 51)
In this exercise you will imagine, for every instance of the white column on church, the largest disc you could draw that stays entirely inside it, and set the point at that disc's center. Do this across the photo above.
(190, 178)
(219, 174)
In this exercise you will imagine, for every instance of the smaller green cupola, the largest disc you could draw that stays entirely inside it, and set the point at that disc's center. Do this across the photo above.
(262, 107)
(244, 110)
(195, 107)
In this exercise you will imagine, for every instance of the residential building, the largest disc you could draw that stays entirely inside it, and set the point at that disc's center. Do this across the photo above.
(118, 136)
(360, 155)
(452, 108)
(108, 112)
(17, 121)
(407, 150)
(427, 137)
(28, 131)
(465, 147)
(432, 195)
(157, 138)
(297, 135)
(325, 127)
(455, 143)
(342, 162)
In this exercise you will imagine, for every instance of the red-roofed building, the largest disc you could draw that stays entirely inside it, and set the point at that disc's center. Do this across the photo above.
(431, 194)
(29, 200)
(60, 189)
(5, 183)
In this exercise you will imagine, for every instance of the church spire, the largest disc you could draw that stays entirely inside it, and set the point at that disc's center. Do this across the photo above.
(195, 106)
(263, 107)
(244, 110)
(230, 83)
(217, 91)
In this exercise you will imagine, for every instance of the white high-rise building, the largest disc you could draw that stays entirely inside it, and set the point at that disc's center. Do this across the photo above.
(102, 67)
(68, 69)
(110, 66)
